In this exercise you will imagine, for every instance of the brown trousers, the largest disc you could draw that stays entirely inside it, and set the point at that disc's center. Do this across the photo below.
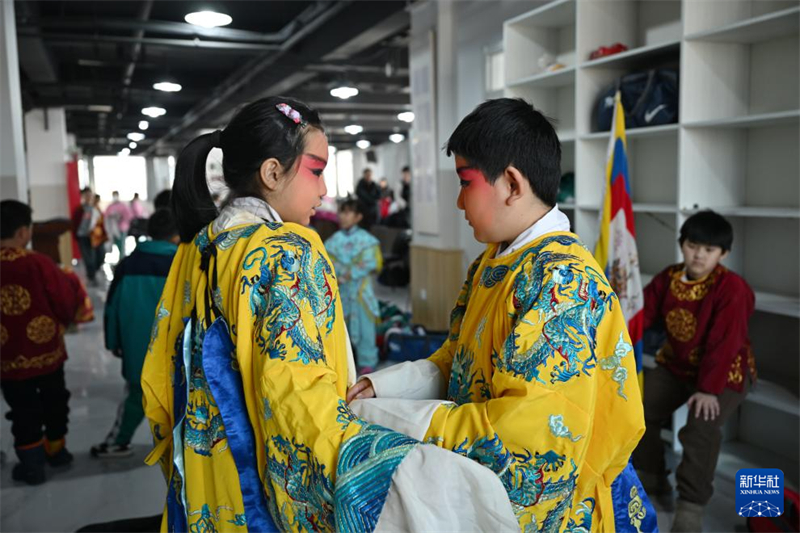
(701, 439)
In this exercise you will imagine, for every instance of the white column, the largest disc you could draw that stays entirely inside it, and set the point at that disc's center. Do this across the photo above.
(48, 150)
(13, 173)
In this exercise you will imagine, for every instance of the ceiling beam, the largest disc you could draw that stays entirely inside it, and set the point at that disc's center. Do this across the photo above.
(73, 38)
(384, 29)
(355, 69)
(56, 89)
(162, 27)
(396, 99)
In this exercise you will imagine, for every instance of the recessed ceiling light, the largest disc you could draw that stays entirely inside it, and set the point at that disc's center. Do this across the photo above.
(344, 92)
(135, 136)
(406, 116)
(125, 151)
(208, 19)
(132, 145)
(100, 108)
(353, 129)
(363, 144)
(167, 86)
(397, 137)
(143, 125)
(154, 112)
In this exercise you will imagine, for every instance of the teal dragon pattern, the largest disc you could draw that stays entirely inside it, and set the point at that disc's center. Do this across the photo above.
(463, 378)
(207, 522)
(585, 512)
(523, 476)
(570, 303)
(204, 428)
(305, 481)
(288, 278)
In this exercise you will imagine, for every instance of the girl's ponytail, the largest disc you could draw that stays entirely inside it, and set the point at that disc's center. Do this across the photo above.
(191, 199)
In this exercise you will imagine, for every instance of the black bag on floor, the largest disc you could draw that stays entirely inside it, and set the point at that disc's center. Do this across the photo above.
(649, 99)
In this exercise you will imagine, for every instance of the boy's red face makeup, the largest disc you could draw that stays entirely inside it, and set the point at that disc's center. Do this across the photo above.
(478, 199)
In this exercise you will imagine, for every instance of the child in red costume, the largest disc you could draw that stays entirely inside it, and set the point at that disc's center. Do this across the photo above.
(706, 362)
(38, 301)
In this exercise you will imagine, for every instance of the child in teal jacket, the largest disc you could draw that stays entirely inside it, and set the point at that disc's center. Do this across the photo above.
(130, 310)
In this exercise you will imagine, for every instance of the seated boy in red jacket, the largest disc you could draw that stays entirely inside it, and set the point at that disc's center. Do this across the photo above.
(706, 362)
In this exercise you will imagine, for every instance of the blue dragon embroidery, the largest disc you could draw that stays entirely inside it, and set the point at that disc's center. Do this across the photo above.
(293, 467)
(286, 280)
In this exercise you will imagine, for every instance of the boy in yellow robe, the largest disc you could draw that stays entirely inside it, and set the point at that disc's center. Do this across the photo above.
(538, 373)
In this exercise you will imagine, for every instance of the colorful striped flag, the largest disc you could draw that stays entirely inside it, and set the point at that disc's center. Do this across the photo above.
(616, 247)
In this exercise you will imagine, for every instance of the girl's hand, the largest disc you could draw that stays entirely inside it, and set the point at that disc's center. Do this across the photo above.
(361, 390)
(708, 404)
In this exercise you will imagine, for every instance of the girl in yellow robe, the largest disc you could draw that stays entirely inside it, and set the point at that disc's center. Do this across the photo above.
(538, 376)
(248, 365)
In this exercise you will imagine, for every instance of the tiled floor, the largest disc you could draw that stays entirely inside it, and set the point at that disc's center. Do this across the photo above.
(94, 491)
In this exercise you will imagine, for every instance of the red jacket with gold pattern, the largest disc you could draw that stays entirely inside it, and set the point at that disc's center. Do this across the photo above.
(38, 301)
(706, 324)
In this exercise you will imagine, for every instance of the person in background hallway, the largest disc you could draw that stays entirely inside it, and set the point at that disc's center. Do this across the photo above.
(38, 301)
(386, 201)
(138, 208)
(131, 305)
(118, 219)
(98, 237)
(706, 362)
(356, 256)
(405, 193)
(84, 220)
(368, 193)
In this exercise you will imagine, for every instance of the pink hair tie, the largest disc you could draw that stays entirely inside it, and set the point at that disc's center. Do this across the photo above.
(292, 114)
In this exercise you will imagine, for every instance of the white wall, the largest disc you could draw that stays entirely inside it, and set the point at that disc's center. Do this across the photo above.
(47, 151)
(13, 172)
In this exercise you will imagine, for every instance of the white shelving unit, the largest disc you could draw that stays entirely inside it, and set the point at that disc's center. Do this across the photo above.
(734, 148)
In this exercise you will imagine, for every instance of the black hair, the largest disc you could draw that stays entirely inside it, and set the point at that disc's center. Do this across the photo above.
(161, 225)
(351, 204)
(163, 200)
(85, 190)
(510, 132)
(707, 228)
(14, 215)
(257, 132)
(406, 169)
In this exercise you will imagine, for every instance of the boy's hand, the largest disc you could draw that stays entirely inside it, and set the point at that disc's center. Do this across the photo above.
(708, 404)
(361, 390)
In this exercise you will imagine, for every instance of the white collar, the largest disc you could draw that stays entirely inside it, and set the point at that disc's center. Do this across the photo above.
(554, 220)
(247, 210)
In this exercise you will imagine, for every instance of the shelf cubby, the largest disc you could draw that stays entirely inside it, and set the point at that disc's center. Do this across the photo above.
(740, 85)
(549, 30)
(636, 24)
(741, 171)
(707, 18)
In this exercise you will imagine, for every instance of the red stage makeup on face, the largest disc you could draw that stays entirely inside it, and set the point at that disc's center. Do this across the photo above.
(472, 177)
(298, 201)
(477, 199)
